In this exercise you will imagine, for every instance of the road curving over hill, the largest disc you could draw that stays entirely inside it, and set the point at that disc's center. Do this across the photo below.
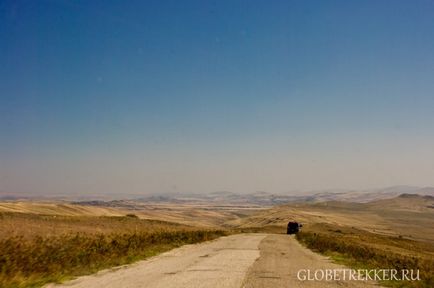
(243, 260)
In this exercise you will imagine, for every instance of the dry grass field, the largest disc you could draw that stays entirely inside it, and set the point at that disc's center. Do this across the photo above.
(361, 249)
(408, 216)
(31, 225)
(52, 241)
(37, 248)
(394, 233)
(194, 214)
(45, 241)
(57, 208)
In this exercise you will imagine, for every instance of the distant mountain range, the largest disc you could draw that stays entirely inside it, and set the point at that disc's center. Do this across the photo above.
(227, 197)
(364, 196)
(264, 198)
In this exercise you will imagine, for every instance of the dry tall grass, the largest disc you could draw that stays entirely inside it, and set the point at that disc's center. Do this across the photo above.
(31, 260)
(30, 225)
(361, 249)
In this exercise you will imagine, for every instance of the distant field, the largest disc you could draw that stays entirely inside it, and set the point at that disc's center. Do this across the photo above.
(407, 216)
(30, 225)
(58, 208)
(195, 214)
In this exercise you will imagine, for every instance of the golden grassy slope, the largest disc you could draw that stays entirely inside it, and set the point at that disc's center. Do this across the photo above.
(58, 208)
(186, 213)
(409, 218)
(31, 225)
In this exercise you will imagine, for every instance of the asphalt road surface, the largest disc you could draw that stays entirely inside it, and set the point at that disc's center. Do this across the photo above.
(281, 259)
(243, 260)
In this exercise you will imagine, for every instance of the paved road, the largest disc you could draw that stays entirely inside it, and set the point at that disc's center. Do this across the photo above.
(280, 260)
(243, 260)
(220, 263)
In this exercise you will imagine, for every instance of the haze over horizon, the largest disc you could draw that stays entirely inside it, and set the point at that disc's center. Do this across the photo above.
(202, 96)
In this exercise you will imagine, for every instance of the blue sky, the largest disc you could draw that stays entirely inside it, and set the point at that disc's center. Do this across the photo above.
(199, 96)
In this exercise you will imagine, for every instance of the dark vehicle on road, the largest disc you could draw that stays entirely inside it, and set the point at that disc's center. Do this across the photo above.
(293, 227)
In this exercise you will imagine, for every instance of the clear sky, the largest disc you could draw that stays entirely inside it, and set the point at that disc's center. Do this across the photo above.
(200, 96)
